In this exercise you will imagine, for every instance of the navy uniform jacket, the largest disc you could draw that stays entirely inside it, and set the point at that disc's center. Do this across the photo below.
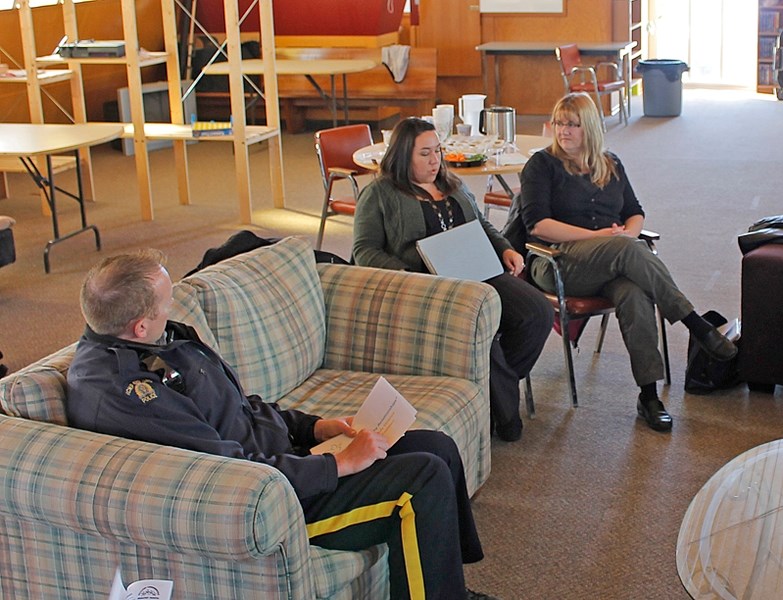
(182, 394)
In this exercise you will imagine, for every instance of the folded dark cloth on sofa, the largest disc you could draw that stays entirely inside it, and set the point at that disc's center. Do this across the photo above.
(245, 241)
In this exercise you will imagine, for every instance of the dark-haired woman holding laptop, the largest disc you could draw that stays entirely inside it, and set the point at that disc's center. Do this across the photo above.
(416, 196)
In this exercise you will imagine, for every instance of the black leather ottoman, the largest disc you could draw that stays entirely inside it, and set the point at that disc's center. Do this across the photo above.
(761, 346)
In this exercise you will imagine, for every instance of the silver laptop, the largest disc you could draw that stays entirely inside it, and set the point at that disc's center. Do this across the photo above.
(463, 252)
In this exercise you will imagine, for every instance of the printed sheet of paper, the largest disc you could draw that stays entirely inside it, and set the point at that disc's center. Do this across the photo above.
(145, 589)
(384, 410)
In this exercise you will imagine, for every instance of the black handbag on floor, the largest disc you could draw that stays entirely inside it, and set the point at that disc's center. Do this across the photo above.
(704, 374)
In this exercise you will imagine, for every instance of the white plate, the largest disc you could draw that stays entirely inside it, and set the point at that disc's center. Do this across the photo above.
(512, 159)
(371, 157)
(532, 151)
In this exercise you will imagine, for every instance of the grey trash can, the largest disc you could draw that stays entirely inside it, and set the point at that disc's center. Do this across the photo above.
(662, 86)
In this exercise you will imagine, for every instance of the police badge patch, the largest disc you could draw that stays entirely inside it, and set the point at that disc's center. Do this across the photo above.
(142, 389)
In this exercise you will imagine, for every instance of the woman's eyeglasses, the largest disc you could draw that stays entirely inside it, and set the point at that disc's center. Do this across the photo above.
(568, 124)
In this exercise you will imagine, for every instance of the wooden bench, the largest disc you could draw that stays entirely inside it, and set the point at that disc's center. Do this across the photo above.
(372, 95)
(373, 89)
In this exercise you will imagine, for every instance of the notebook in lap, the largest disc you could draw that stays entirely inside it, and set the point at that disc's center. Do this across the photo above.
(463, 252)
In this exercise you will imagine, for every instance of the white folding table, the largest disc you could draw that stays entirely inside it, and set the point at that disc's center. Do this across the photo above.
(27, 142)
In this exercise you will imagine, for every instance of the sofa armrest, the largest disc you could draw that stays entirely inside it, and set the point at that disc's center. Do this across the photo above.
(383, 321)
(148, 495)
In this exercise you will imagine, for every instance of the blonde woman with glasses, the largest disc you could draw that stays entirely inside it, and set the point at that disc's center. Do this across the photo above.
(576, 197)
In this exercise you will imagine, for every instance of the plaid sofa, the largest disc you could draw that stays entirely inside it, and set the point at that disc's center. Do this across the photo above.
(74, 504)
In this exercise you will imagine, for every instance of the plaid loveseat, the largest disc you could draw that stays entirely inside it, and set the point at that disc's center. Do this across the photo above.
(74, 505)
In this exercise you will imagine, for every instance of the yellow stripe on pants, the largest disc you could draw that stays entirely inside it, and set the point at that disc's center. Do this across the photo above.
(365, 514)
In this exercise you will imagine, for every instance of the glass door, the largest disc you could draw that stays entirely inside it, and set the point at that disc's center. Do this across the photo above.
(717, 38)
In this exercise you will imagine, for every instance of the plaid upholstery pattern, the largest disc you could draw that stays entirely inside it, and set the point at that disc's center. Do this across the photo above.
(266, 311)
(135, 492)
(457, 407)
(370, 575)
(389, 322)
(221, 528)
(37, 391)
(186, 309)
(162, 500)
(383, 321)
(74, 504)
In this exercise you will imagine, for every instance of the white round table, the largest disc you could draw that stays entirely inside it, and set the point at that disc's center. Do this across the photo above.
(730, 543)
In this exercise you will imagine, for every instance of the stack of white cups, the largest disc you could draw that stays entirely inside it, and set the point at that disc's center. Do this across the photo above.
(443, 119)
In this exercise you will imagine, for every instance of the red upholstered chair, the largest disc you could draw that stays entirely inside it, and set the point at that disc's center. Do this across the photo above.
(571, 312)
(335, 148)
(600, 80)
(497, 199)
(494, 198)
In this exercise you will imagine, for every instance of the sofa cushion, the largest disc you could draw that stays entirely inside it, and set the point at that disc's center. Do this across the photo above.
(340, 573)
(452, 405)
(37, 392)
(266, 311)
(186, 309)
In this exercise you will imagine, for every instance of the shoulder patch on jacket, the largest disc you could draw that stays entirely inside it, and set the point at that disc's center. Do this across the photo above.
(141, 389)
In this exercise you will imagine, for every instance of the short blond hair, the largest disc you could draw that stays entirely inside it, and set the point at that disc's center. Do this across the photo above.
(119, 290)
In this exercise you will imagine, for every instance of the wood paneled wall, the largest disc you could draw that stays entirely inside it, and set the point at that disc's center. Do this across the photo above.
(532, 84)
(98, 20)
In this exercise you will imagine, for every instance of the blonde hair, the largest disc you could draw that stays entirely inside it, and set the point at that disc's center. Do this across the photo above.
(119, 290)
(580, 107)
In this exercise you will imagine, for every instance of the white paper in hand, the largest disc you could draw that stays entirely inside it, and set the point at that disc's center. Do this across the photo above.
(384, 411)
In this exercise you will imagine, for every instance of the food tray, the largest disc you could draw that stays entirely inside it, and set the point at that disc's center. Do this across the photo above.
(463, 164)
(472, 144)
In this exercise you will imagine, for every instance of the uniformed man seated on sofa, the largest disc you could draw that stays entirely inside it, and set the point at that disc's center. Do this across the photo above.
(140, 376)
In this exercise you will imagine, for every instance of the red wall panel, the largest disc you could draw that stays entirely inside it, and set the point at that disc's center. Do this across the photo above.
(314, 17)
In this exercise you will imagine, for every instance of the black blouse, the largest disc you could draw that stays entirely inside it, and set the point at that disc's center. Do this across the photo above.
(549, 191)
(433, 215)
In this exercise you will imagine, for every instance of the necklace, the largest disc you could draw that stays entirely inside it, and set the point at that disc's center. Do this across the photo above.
(439, 214)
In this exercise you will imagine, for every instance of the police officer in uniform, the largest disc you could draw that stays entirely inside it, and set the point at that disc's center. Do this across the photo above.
(137, 375)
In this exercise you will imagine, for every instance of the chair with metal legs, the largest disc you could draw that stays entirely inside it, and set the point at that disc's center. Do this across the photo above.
(570, 309)
(498, 199)
(334, 148)
(582, 78)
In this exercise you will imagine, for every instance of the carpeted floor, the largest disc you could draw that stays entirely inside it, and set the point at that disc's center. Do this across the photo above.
(588, 504)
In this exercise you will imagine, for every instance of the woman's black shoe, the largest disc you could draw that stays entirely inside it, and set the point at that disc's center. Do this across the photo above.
(717, 345)
(511, 431)
(654, 413)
